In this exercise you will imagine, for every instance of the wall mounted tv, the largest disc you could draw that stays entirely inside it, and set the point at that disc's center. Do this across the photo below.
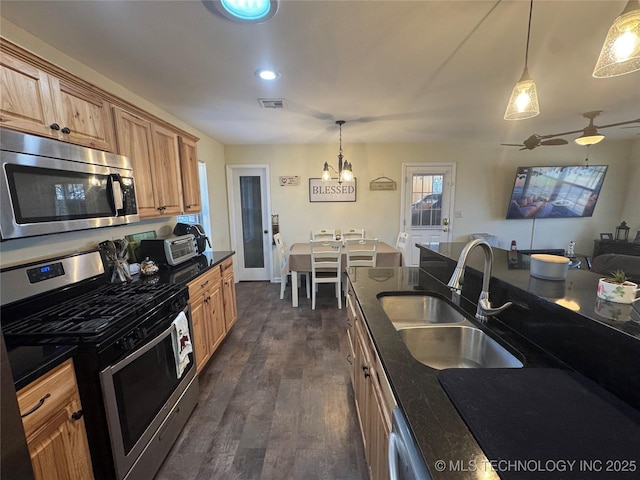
(556, 192)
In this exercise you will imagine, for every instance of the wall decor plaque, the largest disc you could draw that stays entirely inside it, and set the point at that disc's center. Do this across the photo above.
(331, 191)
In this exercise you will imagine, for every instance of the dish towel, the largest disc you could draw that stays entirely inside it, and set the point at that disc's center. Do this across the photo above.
(181, 342)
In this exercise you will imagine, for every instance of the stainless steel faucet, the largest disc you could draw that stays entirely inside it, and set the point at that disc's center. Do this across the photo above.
(484, 305)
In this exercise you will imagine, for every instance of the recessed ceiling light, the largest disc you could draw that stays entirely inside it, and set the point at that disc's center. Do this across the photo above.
(247, 11)
(267, 74)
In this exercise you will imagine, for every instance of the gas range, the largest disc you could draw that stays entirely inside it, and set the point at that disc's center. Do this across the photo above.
(94, 317)
(136, 388)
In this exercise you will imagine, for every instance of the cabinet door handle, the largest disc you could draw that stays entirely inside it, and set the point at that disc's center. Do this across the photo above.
(66, 130)
(36, 407)
(365, 369)
(77, 415)
(54, 126)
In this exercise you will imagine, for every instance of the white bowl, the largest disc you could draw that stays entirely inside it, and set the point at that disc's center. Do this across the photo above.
(549, 267)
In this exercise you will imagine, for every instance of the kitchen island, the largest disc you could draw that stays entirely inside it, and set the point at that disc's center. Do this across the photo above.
(448, 447)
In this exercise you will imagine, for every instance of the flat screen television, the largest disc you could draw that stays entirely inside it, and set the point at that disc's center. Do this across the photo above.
(556, 192)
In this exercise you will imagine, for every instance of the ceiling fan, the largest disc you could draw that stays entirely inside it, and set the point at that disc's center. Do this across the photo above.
(590, 134)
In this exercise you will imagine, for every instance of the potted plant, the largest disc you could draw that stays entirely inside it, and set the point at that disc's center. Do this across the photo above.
(617, 288)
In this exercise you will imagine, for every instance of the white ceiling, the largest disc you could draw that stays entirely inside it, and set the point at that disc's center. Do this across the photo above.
(396, 71)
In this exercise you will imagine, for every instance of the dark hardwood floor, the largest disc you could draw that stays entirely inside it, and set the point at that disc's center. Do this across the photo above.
(276, 400)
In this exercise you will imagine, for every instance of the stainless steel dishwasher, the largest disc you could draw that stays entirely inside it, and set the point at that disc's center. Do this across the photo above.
(405, 461)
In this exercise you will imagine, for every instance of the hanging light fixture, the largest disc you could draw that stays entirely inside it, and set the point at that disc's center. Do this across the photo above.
(524, 98)
(345, 174)
(620, 52)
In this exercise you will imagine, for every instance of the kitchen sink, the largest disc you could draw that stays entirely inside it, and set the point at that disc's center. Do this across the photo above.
(418, 310)
(456, 346)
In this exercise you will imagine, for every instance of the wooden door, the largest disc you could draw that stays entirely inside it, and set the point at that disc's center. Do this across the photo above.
(189, 173)
(26, 103)
(229, 294)
(199, 333)
(135, 141)
(85, 117)
(216, 317)
(166, 165)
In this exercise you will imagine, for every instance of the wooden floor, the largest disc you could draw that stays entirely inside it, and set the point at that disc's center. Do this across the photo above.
(276, 400)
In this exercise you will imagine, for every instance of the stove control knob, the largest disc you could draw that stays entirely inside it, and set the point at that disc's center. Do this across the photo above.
(127, 343)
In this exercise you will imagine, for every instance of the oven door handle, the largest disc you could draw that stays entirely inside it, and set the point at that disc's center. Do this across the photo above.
(140, 351)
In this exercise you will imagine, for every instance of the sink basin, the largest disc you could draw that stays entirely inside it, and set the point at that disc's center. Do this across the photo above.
(418, 310)
(456, 346)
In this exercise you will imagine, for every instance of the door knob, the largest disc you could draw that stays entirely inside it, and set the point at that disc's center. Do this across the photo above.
(266, 231)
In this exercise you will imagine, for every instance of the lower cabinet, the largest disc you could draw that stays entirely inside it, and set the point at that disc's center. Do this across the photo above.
(54, 426)
(213, 310)
(207, 315)
(229, 293)
(372, 392)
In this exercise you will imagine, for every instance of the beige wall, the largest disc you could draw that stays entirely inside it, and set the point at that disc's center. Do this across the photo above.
(209, 150)
(485, 176)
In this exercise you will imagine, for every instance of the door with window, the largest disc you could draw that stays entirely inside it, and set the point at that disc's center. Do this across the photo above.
(249, 212)
(427, 205)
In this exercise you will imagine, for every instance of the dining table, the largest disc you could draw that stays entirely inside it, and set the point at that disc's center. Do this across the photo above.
(300, 261)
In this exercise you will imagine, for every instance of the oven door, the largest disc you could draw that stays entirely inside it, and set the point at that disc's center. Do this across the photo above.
(140, 393)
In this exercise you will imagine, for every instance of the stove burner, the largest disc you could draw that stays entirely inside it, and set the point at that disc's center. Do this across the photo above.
(93, 313)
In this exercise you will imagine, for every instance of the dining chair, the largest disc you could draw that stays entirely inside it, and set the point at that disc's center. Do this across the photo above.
(284, 270)
(401, 243)
(362, 252)
(352, 233)
(323, 234)
(326, 267)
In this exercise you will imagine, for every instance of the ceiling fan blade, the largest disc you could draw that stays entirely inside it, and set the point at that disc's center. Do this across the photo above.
(637, 120)
(512, 144)
(554, 141)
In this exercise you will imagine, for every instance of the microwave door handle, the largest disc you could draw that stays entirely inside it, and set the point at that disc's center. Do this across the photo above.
(116, 193)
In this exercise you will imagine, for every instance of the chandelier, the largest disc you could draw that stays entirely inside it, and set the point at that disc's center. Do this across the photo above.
(345, 174)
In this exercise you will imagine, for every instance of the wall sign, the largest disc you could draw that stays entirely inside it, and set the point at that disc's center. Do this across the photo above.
(331, 191)
(289, 181)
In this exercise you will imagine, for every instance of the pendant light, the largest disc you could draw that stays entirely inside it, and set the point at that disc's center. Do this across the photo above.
(345, 174)
(620, 52)
(523, 102)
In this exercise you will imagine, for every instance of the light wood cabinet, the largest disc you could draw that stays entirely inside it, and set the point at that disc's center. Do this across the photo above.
(189, 173)
(166, 168)
(153, 151)
(34, 101)
(372, 393)
(54, 426)
(207, 315)
(229, 293)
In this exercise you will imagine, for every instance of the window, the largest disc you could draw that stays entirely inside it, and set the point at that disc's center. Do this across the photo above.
(204, 217)
(426, 200)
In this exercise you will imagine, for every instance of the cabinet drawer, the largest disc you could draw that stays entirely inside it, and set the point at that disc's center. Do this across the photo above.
(204, 282)
(46, 396)
(227, 265)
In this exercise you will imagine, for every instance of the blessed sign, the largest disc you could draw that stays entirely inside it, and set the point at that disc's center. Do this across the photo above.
(331, 191)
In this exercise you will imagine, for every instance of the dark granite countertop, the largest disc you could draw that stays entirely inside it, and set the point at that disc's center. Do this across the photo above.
(189, 270)
(30, 363)
(437, 427)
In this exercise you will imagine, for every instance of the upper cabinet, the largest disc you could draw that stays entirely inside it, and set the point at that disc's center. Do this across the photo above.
(34, 101)
(154, 153)
(42, 99)
(189, 171)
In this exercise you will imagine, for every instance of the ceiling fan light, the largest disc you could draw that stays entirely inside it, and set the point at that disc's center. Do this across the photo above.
(620, 52)
(523, 102)
(587, 139)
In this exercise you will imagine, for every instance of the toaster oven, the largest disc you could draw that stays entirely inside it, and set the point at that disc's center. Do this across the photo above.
(169, 250)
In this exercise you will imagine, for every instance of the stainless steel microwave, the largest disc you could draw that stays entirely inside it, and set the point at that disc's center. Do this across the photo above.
(48, 186)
